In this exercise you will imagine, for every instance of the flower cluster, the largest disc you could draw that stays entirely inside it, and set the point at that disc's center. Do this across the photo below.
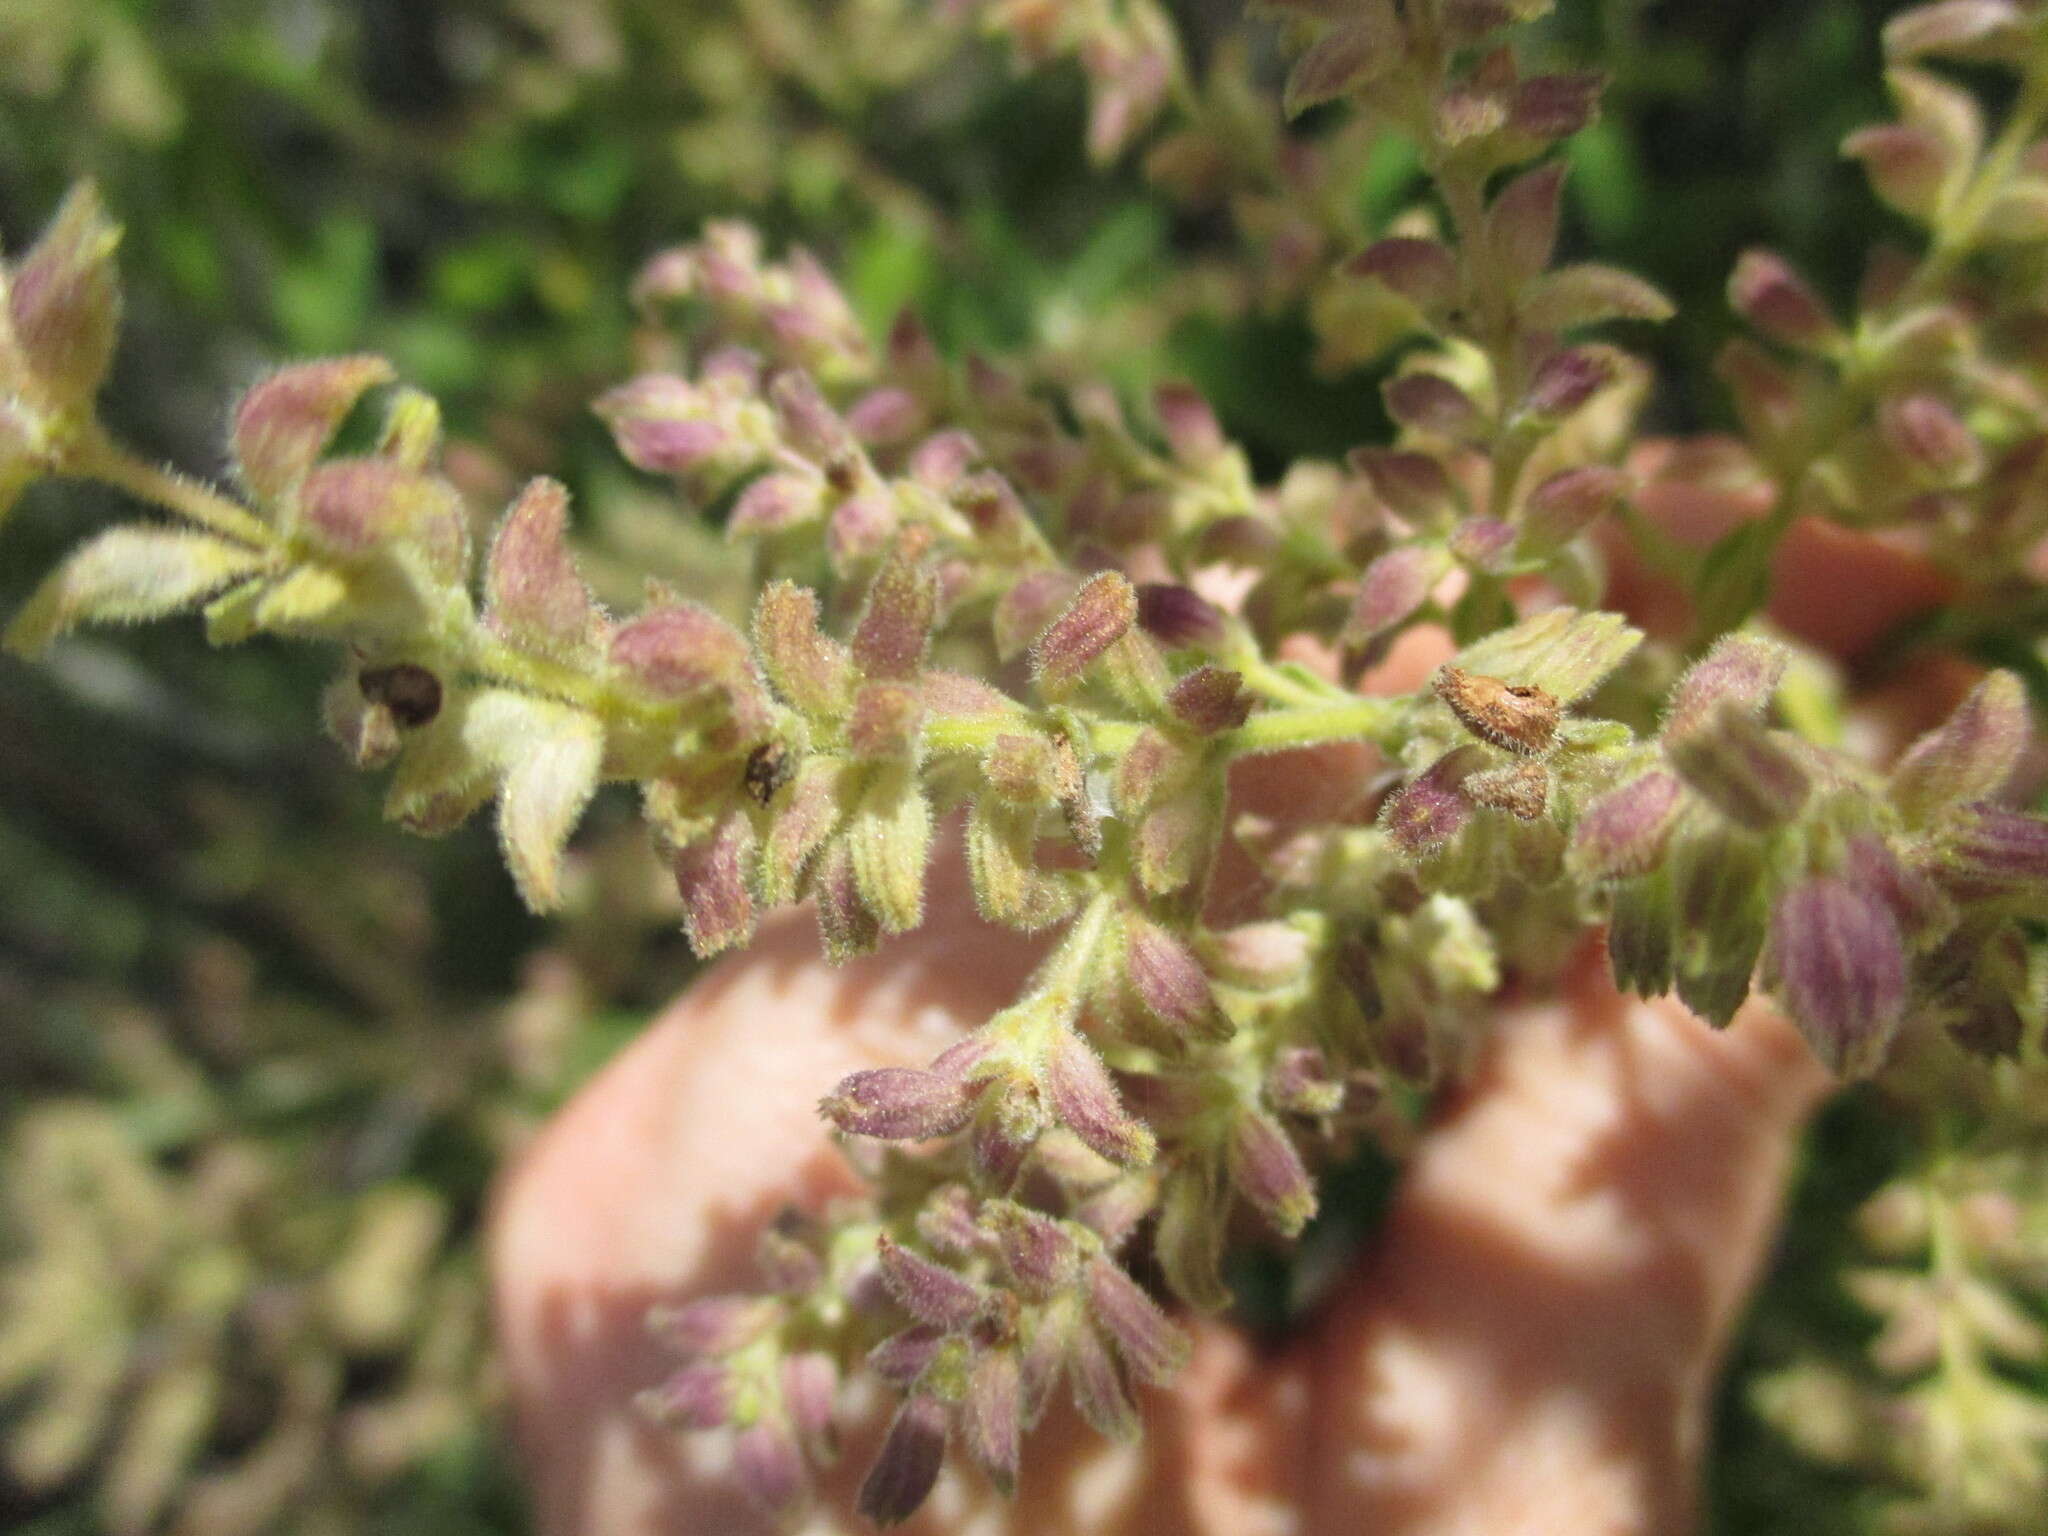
(1061, 616)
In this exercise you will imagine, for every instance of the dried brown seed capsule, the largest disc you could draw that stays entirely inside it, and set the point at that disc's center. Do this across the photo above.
(410, 692)
(768, 769)
(1516, 717)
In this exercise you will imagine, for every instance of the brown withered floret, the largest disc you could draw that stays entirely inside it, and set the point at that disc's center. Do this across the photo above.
(409, 691)
(768, 769)
(1516, 717)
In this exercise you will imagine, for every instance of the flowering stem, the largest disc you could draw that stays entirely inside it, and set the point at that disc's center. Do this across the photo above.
(1356, 719)
(99, 457)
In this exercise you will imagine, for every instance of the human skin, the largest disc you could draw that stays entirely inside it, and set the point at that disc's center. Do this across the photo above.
(1529, 1346)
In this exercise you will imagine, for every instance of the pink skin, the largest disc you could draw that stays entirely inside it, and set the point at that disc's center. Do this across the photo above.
(1529, 1348)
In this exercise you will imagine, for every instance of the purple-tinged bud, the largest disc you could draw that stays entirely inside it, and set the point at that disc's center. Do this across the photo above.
(788, 1263)
(1556, 106)
(1740, 669)
(715, 1325)
(1521, 225)
(1152, 1345)
(884, 417)
(1038, 1251)
(1007, 1127)
(1269, 1173)
(1260, 955)
(711, 878)
(1516, 717)
(809, 425)
(1177, 616)
(1363, 47)
(1766, 292)
(942, 459)
(1908, 166)
(664, 278)
(699, 1396)
(1101, 614)
(778, 500)
(1430, 403)
(1840, 971)
(533, 594)
(903, 1357)
(812, 671)
(860, 528)
(899, 1104)
(1210, 700)
(1424, 272)
(1113, 1212)
(1081, 1097)
(1023, 612)
(1300, 1082)
(1484, 543)
(660, 424)
(1098, 1385)
(1768, 396)
(1189, 424)
(282, 424)
(908, 1464)
(1569, 502)
(1521, 789)
(1624, 832)
(1430, 809)
(1923, 914)
(1169, 982)
(896, 622)
(1413, 485)
(885, 721)
(1393, 587)
(956, 695)
(1566, 380)
(1970, 756)
(1746, 772)
(992, 1416)
(1932, 439)
(351, 506)
(1989, 850)
(1967, 29)
(911, 351)
(64, 303)
(1188, 1239)
(1238, 540)
(929, 1292)
(948, 1221)
(679, 649)
(769, 1467)
(810, 1390)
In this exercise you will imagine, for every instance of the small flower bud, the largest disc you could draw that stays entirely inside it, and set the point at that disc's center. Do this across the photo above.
(1363, 47)
(1568, 503)
(1269, 1173)
(1421, 271)
(1300, 1082)
(1516, 717)
(899, 1104)
(885, 720)
(778, 500)
(1177, 616)
(1970, 756)
(992, 1416)
(1766, 292)
(1081, 1096)
(673, 651)
(929, 1292)
(908, 1464)
(1007, 1126)
(1740, 669)
(699, 1396)
(663, 426)
(1928, 435)
(1521, 224)
(1566, 380)
(1152, 1345)
(64, 303)
(1589, 294)
(1261, 955)
(810, 1390)
(1039, 1252)
(809, 425)
(533, 594)
(1747, 773)
(1993, 851)
(1840, 971)
(1169, 981)
(769, 1467)
(903, 1357)
(1210, 700)
(1189, 424)
(1433, 405)
(1430, 809)
(896, 621)
(1551, 107)
(1623, 833)
(1393, 587)
(1483, 543)
(718, 906)
(1413, 485)
(715, 1326)
(1098, 1386)
(1908, 166)
(808, 669)
(282, 424)
(1521, 789)
(1101, 614)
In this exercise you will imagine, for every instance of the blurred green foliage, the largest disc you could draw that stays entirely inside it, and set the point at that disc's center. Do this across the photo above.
(260, 1056)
